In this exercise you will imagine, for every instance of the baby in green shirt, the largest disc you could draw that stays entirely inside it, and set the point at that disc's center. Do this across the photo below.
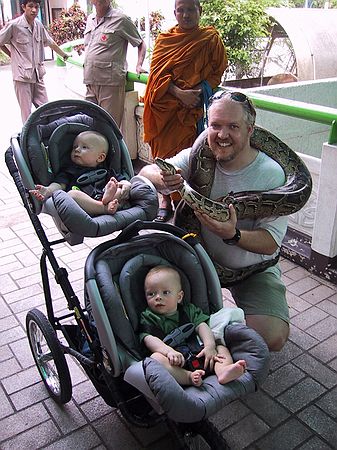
(164, 293)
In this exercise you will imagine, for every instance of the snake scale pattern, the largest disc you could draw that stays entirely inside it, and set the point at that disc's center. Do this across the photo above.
(284, 200)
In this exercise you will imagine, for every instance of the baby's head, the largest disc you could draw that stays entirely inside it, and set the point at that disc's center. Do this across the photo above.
(163, 290)
(90, 149)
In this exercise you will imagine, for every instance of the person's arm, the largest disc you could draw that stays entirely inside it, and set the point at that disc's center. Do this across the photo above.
(155, 345)
(163, 182)
(59, 51)
(141, 57)
(190, 98)
(255, 241)
(209, 351)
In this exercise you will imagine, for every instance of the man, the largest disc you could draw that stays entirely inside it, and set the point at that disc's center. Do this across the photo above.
(107, 35)
(240, 245)
(27, 38)
(185, 58)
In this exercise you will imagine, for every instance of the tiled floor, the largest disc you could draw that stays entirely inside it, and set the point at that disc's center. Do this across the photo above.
(296, 407)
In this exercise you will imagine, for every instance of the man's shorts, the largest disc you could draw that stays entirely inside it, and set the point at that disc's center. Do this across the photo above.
(262, 294)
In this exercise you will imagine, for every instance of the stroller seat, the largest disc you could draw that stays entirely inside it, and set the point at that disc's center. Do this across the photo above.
(114, 286)
(43, 147)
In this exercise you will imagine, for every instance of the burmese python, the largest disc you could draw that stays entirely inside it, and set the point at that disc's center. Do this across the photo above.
(281, 201)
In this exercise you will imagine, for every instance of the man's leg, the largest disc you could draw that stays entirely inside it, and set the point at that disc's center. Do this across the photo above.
(24, 94)
(262, 297)
(112, 98)
(40, 96)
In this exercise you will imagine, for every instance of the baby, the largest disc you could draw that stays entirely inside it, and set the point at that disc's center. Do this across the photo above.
(89, 151)
(164, 293)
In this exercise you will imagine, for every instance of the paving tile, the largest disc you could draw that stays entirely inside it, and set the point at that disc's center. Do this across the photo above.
(8, 336)
(324, 329)
(309, 317)
(296, 302)
(326, 350)
(301, 338)
(22, 421)
(29, 396)
(4, 309)
(10, 268)
(303, 285)
(23, 294)
(7, 323)
(282, 379)
(36, 437)
(316, 370)
(329, 307)
(300, 395)
(83, 392)
(6, 406)
(5, 353)
(289, 352)
(95, 408)
(318, 294)
(21, 380)
(287, 436)
(231, 414)
(333, 298)
(9, 367)
(83, 439)
(26, 271)
(28, 303)
(266, 408)
(22, 352)
(315, 443)
(248, 430)
(328, 403)
(297, 273)
(321, 423)
(114, 434)
(4, 260)
(7, 284)
(68, 417)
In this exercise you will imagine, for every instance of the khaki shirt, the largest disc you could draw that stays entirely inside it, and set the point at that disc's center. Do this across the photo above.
(106, 45)
(27, 48)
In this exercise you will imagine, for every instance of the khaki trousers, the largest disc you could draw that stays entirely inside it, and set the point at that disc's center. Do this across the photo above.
(110, 98)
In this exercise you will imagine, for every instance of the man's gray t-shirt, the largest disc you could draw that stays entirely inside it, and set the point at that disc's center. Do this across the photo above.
(262, 174)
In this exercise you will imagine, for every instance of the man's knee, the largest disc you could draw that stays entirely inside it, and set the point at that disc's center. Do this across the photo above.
(274, 331)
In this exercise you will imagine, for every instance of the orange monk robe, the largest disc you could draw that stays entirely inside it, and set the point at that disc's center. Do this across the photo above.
(185, 58)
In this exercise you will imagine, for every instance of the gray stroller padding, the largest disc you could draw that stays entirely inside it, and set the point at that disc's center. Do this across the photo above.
(44, 148)
(72, 220)
(116, 299)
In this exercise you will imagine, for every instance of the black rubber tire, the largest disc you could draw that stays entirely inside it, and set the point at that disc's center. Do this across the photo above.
(201, 435)
(49, 357)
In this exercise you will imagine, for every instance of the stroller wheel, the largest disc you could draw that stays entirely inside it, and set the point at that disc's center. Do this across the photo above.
(201, 435)
(49, 357)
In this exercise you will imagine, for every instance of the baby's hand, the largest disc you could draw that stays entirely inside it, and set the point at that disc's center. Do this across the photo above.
(175, 358)
(211, 356)
(40, 192)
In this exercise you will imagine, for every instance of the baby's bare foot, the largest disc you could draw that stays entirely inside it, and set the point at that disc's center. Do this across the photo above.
(110, 191)
(196, 377)
(112, 206)
(232, 372)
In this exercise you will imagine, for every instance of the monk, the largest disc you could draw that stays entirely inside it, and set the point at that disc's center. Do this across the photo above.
(185, 58)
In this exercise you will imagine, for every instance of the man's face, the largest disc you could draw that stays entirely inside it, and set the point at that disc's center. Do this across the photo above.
(31, 11)
(187, 14)
(101, 6)
(228, 133)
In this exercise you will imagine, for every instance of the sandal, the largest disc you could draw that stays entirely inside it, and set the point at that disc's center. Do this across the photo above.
(164, 214)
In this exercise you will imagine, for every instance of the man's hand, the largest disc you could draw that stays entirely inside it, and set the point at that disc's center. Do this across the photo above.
(225, 230)
(172, 182)
(139, 70)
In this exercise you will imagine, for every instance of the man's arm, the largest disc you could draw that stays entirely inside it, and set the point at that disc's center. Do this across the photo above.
(58, 50)
(141, 57)
(163, 182)
(255, 241)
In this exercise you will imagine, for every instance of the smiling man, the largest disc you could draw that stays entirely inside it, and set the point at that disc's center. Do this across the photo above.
(26, 38)
(249, 248)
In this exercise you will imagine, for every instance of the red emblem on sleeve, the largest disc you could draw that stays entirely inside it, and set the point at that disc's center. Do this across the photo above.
(104, 38)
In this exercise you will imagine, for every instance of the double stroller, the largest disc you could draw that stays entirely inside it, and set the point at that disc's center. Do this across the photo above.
(102, 334)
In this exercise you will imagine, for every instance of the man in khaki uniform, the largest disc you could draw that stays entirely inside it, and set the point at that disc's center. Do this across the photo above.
(107, 35)
(27, 38)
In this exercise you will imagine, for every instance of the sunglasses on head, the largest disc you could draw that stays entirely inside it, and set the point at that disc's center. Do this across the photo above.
(233, 95)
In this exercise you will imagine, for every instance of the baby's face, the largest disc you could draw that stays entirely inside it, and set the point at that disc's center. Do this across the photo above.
(87, 151)
(163, 292)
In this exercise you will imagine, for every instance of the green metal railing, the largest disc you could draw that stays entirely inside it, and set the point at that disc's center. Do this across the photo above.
(300, 110)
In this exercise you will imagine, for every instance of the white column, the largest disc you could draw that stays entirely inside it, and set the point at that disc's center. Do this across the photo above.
(324, 238)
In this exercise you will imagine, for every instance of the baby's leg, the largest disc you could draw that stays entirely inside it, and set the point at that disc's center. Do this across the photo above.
(226, 370)
(89, 205)
(182, 376)
(110, 191)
